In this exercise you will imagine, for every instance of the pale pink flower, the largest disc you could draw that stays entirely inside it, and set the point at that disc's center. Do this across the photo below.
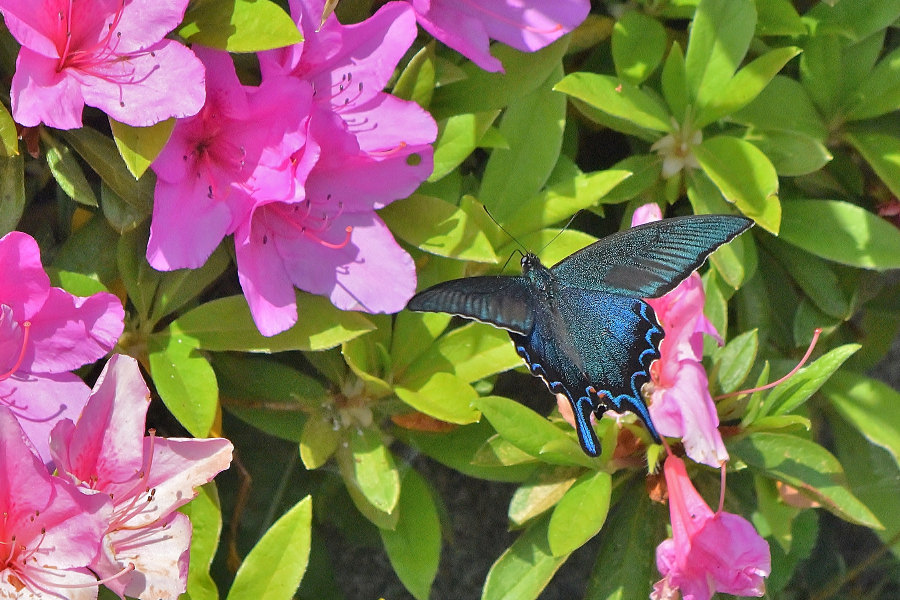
(146, 477)
(50, 530)
(708, 552)
(110, 54)
(681, 405)
(45, 332)
(468, 26)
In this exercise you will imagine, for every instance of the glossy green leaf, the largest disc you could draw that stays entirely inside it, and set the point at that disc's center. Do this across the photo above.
(533, 127)
(816, 278)
(531, 432)
(784, 105)
(348, 463)
(414, 545)
(880, 93)
(275, 566)
(856, 19)
(882, 152)
(206, 527)
(618, 99)
(412, 332)
(184, 379)
(645, 172)
(638, 44)
(78, 284)
(438, 227)
(121, 216)
(808, 467)
(226, 324)
(139, 146)
(870, 406)
(580, 514)
(239, 25)
(12, 192)
(720, 36)
(792, 153)
(674, 82)
(416, 82)
(524, 569)
(745, 85)
(736, 359)
(744, 176)
(374, 471)
(319, 440)
(443, 396)
(842, 232)
(67, 172)
(9, 136)
(79, 254)
(540, 493)
(778, 17)
(458, 136)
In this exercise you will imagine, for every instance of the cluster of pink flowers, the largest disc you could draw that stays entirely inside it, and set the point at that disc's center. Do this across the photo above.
(86, 496)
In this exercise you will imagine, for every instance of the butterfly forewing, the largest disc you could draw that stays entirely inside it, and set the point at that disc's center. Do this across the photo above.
(650, 260)
(502, 301)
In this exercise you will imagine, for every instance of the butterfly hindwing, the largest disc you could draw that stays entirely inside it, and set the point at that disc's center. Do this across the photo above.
(503, 301)
(649, 260)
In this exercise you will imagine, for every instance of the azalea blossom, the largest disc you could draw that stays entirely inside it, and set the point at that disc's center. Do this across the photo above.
(468, 26)
(45, 332)
(238, 147)
(364, 149)
(50, 530)
(111, 54)
(708, 552)
(681, 405)
(146, 477)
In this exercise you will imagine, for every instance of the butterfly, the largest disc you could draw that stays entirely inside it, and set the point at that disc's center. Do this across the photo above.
(582, 325)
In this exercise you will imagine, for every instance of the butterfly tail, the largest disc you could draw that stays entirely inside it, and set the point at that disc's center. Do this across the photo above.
(582, 409)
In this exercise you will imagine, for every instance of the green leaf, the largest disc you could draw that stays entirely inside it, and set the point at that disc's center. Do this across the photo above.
(225, 324)
(239, 25)
(778, 17)
(78, 284)
(524, 569)
(790, 394)
(539, 494)
(645, 172)
(625, 568)
(744, 176)
(443, 396)
(139, 146)
(784, 105)
(417, 80)
(533, 126)
(458, 136)
(821, 72)
(720, 36)
(842, 232)
(319, 440)
(807, 466)
(275, 566)
(882, 152)
(412, 332)
(617, 98)
(531, 432)
(870, 406)
(638, 44)
(373, 471)
(880, 92)
(12, 192)
(184, 379)
(562, 200)
(206, 527)
(674, 82)
(414, 545)
(9, 136)
(856, 19)
(121, 216)
(745, 85)
(816, 278)
(580, 514)
(67, 172)
(79, 254)
(734, 361)
(438, 227)
(792, 153)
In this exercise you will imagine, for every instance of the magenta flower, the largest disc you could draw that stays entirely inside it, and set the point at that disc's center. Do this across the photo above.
(468, 26)
(681, 405)
(50, 531)
(708, 552)
(45, 332)
(364, 149)
(110, 54)
(237, 147)
(146, 477)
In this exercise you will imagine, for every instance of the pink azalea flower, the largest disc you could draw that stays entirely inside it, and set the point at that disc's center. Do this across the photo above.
(45, 332)
(146, 477)
(468, 26)
(681, 405)
(239, 146)
(110, 54)
(364, 149)
(50, 530)
(708, 552)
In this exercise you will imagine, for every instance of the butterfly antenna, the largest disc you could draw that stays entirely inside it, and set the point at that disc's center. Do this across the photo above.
(572, 218)
(522, 247)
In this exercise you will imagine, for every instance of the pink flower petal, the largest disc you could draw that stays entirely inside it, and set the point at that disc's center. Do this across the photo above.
(24, 286)
(464, 33)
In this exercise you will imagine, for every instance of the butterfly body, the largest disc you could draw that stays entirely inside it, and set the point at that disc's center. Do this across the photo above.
(582, 326)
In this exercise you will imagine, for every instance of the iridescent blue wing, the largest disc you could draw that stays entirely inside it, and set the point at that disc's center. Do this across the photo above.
(596, 348)
(502, 301)
(649, 260)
